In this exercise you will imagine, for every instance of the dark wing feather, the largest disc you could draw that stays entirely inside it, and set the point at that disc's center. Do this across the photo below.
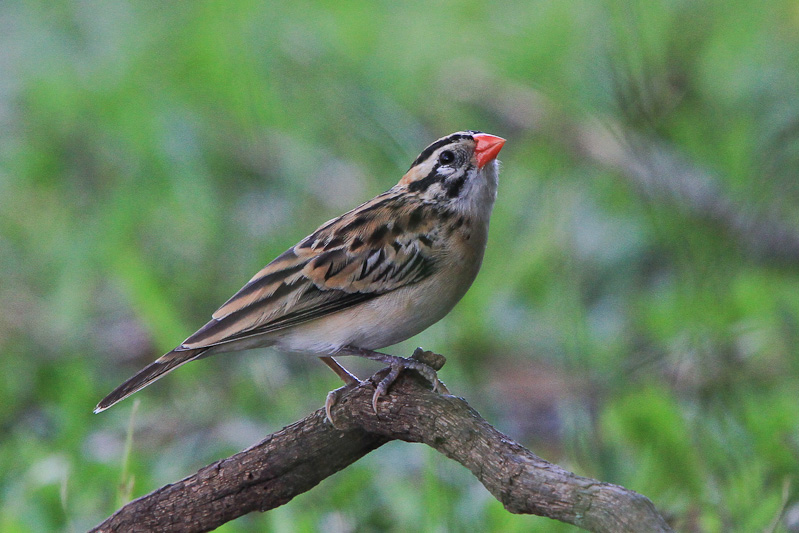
(347, 261)
(147, 375)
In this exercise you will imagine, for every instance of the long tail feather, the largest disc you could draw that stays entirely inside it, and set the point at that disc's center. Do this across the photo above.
(147, 375)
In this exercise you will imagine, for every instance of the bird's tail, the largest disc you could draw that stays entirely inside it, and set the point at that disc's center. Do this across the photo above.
(148, 374)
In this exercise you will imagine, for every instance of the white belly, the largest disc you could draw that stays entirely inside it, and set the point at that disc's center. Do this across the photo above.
(383, 321)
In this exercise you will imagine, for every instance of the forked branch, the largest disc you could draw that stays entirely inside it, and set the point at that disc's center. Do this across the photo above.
(298, 457)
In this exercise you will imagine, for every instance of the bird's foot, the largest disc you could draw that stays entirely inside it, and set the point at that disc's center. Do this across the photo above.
(397, 365)
(348, 378)
(332, 399)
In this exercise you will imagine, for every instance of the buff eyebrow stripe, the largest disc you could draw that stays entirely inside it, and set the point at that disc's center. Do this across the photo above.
(427, 152)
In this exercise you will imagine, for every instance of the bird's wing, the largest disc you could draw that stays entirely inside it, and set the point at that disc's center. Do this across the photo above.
(376, 248)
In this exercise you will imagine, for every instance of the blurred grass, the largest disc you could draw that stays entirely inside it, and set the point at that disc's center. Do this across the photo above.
(155, 155)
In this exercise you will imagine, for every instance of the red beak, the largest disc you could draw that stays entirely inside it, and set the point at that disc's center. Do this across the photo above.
(488, 146)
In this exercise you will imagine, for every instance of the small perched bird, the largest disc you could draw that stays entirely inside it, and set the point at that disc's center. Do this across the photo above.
(370, 278)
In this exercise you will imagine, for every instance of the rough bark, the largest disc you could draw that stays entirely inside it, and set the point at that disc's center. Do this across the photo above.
(298, 457)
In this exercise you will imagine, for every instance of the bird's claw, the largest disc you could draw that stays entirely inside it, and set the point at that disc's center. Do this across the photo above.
(332, 399)
(440, 388)
(397, 366)
(382, 388)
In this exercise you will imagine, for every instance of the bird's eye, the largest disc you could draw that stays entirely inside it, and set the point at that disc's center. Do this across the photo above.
(446, 157)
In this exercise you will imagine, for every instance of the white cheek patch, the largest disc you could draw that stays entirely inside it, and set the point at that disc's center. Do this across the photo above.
(445, 171)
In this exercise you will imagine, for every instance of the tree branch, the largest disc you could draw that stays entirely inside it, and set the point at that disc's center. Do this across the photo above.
(299, 456)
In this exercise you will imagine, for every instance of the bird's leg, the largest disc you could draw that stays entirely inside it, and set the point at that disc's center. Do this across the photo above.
(346, 376)
(397, 364)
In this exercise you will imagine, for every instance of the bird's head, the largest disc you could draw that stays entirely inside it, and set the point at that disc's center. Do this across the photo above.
(458, 171)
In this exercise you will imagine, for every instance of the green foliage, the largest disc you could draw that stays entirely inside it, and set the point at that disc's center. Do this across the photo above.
(155, 155)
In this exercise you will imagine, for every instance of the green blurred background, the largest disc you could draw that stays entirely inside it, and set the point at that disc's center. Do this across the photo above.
(636, 318)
